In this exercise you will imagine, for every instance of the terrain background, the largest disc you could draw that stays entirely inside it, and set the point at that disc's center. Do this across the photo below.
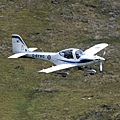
(53, 25)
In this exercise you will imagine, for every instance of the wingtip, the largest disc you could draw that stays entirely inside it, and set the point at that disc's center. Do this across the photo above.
(42, 71)
(106, 44)
(11, 57)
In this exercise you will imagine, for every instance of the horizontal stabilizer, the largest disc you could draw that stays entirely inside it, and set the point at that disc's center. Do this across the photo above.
(32, 49)
(17, 55)
(56, 68)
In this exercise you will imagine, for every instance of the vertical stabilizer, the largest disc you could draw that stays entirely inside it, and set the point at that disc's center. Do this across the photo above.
(18, 45)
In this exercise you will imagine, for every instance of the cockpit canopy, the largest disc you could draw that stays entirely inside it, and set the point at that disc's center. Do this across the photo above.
(78, 53)
(71, 53)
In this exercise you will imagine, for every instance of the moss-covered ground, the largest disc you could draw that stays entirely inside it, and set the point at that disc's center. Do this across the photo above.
(54, 25)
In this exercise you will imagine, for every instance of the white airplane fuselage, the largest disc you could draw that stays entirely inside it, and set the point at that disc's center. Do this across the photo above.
(56, 59)
(63, 59)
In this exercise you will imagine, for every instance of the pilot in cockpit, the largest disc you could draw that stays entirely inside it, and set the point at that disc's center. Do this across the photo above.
(68, 55)
(78, 53)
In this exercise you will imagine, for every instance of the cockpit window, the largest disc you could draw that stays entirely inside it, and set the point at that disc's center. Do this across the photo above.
(67, 54)
(78, 53)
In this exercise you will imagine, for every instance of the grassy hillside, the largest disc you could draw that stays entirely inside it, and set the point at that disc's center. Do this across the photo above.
(54, 25)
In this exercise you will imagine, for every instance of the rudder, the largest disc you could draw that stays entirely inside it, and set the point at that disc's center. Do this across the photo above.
(18, 45)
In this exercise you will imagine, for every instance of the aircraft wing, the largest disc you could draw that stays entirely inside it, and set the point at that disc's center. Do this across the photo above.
(95, 49)
(17, 55)
(56, 68)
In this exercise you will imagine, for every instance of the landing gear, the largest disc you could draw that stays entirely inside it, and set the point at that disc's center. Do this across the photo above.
(87, 70)
(80, 68)
(64, 75)
(91, 73)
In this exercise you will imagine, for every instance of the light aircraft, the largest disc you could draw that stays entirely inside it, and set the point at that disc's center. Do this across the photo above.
(63, 59)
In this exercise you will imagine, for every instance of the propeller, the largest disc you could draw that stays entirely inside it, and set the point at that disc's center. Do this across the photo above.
(101, 61)
(101, 66)
(104, 53)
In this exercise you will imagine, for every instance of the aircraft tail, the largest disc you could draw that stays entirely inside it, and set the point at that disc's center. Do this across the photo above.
(18, 45)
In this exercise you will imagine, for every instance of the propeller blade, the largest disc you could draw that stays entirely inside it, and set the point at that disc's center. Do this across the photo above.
(104, 53)
(100, 66)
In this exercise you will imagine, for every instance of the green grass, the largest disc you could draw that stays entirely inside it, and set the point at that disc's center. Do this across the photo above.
(27, 95)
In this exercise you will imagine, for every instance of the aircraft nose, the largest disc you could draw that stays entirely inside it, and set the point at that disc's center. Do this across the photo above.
(100, 59)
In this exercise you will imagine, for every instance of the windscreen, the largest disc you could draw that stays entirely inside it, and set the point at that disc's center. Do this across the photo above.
(78, 53)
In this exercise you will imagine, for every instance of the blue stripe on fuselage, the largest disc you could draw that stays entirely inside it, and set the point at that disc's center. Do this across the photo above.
(80, 61)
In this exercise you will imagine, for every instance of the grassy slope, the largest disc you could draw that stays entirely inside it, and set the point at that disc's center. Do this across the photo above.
(25, 94)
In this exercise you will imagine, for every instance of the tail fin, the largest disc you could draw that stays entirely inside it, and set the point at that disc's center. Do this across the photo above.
(18, 45)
